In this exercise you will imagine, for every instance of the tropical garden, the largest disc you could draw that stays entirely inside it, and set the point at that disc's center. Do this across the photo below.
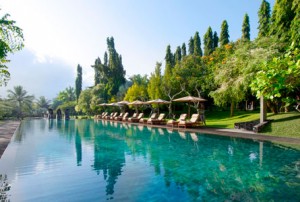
(231, 75)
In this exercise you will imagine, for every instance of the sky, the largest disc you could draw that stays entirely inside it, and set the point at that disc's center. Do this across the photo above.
(60, 34)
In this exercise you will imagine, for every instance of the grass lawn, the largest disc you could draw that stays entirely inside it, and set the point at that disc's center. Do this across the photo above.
(222, 119)
(283, 124)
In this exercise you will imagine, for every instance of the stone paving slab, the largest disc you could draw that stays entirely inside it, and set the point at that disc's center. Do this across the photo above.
(7, 129)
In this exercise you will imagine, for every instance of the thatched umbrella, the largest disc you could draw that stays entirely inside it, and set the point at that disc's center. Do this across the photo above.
(158, 101)
(122, 104)
(136, 103)
(190, 99)
(112, 104)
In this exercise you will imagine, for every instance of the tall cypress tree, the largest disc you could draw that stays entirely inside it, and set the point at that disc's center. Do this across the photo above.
(246, 28)
(224, 36)
(183, 50)
(216, 40)
(115, 67)
(169, 56)
(97, 67)
(197, 45)
(178, 55)
(208, 42)
(281, 19)
(295, 25)
(78, 82)
(191, 46)
(264, 15)
(105, 59)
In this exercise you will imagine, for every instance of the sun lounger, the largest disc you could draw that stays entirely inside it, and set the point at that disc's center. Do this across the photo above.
(193, 122)
(136, 119)
(99, 115)
(120, 115)
(113, 116)
(133, 116)
(159, 121)
(153, 116)
(108, 115)
(175, 122)
(124, 118)
(105, 114)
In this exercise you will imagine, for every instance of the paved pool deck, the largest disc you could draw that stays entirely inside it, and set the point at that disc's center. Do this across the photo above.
(8, 128)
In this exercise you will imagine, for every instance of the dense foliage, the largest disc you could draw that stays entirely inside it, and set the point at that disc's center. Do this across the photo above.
(228, 73)
(11, 40)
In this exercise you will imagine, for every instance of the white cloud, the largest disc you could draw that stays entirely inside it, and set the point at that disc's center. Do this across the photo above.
(44, 78)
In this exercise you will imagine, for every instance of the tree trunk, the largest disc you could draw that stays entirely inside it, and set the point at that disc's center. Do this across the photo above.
(272, 106)
(170, 111)
(232, 109)
(263, 110)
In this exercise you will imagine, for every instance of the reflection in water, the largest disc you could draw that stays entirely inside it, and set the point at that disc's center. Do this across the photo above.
(173, 165)
(50, 123)
(78, 147)
(4, 188)
(105, 160)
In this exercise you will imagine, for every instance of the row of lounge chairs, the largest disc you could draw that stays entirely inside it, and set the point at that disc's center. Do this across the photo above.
(154, 119)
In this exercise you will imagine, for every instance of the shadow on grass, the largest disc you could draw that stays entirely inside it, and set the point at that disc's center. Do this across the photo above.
(267, 128)
(287, 118)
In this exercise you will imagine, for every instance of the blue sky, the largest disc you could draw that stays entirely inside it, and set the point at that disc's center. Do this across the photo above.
(59, 34)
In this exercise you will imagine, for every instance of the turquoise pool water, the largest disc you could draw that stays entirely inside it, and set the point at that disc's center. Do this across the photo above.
(86, 160)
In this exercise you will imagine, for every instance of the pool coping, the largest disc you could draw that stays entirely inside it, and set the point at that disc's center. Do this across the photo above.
(7, 130)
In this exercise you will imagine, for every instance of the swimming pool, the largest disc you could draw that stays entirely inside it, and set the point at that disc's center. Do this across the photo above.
(87, 160)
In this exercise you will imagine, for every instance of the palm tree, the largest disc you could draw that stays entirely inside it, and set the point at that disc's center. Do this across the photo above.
(67, 95)
(19, 98)
(42, 105)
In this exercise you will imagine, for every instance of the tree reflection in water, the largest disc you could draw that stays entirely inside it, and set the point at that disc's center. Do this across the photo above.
(203, 166)
(4, 188)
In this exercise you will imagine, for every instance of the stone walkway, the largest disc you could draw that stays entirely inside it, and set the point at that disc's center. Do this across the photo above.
(7, 129)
